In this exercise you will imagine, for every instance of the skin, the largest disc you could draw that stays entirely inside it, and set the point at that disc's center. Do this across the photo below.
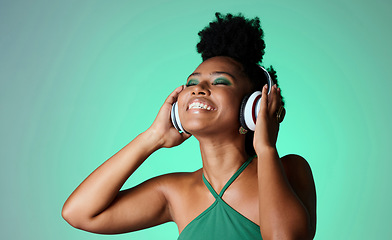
(276, 193)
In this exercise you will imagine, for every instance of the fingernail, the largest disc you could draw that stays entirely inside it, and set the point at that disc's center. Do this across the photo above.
(266, 86)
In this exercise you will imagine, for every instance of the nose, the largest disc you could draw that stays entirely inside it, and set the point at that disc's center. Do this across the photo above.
(201, 89)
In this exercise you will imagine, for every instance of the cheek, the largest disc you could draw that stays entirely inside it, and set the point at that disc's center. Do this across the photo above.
(182, 101)
(181, 98)
(232, 99)
(232, 105)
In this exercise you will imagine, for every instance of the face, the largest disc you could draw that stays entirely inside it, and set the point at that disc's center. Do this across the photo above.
(212, 96)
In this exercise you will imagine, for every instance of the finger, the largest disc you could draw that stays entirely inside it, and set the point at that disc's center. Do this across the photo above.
(274, 102)
(264, 99)
(172, 98)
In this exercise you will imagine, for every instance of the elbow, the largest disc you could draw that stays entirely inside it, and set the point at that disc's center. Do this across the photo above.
(79, 220)
(72, 218)
(69, 217)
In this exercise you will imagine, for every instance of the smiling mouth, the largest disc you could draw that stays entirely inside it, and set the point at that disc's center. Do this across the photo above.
(200, 105)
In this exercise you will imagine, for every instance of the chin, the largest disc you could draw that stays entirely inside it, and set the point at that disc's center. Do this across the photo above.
(195, 128)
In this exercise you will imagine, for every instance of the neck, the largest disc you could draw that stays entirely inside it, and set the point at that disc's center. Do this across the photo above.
(222, 156)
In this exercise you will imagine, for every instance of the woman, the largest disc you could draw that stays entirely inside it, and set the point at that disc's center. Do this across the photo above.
(244, 189)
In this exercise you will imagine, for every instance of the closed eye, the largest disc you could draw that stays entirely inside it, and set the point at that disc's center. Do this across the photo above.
(221, 81)
(192, 82)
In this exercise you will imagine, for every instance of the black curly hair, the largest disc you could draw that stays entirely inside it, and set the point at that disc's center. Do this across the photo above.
(241, 39)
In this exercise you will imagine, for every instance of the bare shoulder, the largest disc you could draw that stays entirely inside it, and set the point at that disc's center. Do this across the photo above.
(174, 182)
(182, 193)
(296, 166)
(299, 174)
(300, 177)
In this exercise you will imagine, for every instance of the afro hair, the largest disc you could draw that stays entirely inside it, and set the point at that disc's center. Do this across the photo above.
(233, 36)
(239, 38)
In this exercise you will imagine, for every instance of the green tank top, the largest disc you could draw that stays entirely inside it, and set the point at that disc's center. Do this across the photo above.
(220, 221)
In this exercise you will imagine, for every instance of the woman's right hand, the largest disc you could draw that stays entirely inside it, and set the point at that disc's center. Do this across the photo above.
(162, 129)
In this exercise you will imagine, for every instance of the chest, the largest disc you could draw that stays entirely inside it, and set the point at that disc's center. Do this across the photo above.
(191, 201)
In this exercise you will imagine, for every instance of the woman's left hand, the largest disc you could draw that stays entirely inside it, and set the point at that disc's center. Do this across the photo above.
(267, 124)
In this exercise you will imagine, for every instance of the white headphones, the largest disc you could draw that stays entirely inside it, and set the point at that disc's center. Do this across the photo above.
(175, 118)
(250, 107)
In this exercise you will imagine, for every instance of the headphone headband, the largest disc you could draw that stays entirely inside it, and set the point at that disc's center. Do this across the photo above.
(268, 78)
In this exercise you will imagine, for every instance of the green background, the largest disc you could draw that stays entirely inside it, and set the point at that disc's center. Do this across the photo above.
(80, 79)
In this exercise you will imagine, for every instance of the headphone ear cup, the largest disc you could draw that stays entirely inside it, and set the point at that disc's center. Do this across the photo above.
(250, 107)
(175, 118)
(242, 112)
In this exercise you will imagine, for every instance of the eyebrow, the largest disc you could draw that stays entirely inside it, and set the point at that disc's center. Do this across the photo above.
(213, 73)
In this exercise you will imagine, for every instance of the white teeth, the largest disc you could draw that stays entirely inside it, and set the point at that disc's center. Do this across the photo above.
(199, 105)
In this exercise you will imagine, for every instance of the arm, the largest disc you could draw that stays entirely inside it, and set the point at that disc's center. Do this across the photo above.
(287, 200)
(97, 206)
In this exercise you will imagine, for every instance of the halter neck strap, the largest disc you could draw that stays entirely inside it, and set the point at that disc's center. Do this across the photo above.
(231, 180)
